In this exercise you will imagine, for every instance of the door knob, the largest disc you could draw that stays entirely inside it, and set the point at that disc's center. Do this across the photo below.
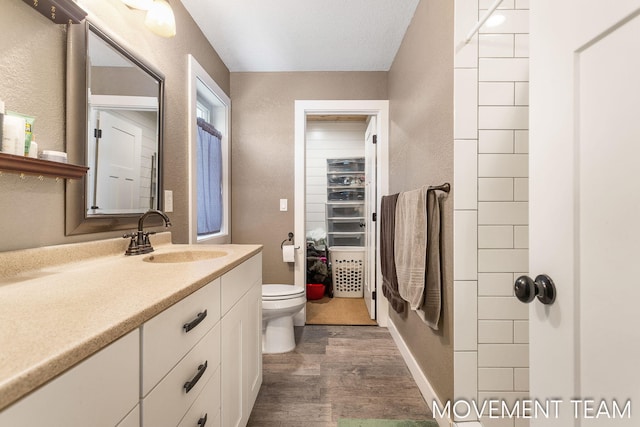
(526, 289)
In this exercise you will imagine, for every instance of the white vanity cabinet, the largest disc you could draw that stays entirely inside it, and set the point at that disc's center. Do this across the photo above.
(100, 391)
(241, 341)
(197, 363)
(180, 354)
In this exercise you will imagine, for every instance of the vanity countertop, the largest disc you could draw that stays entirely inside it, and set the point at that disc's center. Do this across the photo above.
(55, 313)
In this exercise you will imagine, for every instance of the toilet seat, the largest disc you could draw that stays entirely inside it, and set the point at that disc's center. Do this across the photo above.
(281, 292)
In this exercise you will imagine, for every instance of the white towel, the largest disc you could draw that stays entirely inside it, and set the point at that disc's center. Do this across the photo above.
(411, 245)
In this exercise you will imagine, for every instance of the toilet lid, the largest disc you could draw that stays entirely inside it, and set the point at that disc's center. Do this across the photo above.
(281, 291)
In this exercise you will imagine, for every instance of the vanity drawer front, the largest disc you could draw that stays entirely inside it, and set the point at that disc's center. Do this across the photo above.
(167, 403)
(238, 281)
(206, 405)
(164, 338)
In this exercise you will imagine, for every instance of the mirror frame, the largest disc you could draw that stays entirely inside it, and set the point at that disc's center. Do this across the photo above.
(76, 219)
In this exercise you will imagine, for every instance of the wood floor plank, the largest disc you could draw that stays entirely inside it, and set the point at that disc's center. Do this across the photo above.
(337, 372)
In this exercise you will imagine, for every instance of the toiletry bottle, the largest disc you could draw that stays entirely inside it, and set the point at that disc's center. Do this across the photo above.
(33, 147)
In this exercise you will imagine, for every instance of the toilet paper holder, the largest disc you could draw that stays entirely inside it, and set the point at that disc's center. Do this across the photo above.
(290, 239)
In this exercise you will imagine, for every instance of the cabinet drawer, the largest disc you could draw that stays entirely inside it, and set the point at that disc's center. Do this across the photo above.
(345, 239)
(238, 281)
(206, 405)
(345, 165)
(345, 210)
(345, 179)
(165, 339)
(344, 225)
(345, 194)
(100, 391)
(167, 403)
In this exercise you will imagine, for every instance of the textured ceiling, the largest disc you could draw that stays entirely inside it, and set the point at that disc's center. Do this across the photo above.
(304, 35)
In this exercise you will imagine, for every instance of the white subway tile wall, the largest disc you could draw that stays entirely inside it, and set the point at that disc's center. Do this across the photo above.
(465, 99)
(496, 45)
(495, 284)
(491, 233)
(496, 93)
(496, 141)
(465, 244)
(495, 236)
(465, 155)
(495, 379)
(465, 382)
(465, 314)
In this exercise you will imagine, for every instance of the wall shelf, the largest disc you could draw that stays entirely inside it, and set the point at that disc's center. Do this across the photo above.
(59, 11)
(31, 166)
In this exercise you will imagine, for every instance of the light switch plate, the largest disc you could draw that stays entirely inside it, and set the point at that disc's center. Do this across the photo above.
(168, 201)
(283, 205)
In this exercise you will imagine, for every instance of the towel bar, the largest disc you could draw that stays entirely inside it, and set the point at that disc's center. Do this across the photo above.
(446, 187)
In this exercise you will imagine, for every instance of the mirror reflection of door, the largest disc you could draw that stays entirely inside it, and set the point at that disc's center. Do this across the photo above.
(118, 165)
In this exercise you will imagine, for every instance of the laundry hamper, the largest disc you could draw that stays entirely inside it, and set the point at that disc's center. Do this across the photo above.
(347, 271)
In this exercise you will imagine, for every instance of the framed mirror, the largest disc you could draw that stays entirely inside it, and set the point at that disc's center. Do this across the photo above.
(114, 126)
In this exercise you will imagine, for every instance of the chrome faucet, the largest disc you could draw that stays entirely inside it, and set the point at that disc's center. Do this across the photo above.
(140, 243)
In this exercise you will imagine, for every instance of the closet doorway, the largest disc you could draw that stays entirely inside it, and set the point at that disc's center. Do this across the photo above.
(341, 172)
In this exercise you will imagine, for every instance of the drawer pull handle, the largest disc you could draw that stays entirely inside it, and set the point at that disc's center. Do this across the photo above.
(195, 322)
(190, 384)
(202, 421)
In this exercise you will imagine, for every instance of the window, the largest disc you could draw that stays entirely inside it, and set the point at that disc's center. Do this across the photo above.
(209, 199)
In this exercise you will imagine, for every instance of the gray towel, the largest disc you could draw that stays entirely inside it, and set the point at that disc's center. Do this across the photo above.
(387, 258)
(411, 245)
(430, 309)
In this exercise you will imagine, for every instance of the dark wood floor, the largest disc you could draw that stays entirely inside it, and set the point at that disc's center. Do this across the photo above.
(337, 372)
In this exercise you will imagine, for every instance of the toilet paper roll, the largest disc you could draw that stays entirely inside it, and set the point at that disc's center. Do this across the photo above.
(288, 253)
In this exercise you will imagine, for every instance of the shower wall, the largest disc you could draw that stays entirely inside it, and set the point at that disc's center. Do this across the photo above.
(491, 97)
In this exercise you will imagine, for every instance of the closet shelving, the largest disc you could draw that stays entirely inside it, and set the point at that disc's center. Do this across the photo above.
(345, 202)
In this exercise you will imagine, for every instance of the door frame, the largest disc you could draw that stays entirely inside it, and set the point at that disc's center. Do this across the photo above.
(378, 108)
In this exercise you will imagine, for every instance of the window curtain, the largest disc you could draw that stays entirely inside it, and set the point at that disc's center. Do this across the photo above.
(209, 187)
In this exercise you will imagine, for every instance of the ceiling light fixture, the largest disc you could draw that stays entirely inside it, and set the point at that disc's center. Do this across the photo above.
(138, 4)
(160, 19)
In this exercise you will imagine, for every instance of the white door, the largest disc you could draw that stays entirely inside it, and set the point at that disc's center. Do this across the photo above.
(118, 163)
(371, 200)
(585, 208)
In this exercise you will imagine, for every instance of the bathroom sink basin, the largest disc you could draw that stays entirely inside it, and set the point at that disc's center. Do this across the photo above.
(183, 256)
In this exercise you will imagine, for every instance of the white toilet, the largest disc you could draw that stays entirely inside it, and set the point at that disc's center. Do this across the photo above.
(279, 304)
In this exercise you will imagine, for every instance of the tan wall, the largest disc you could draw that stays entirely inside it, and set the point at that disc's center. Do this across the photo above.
(32, 81)
(262, 150)
(421, 152)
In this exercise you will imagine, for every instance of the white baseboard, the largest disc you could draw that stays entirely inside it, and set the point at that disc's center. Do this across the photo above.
(419, 377)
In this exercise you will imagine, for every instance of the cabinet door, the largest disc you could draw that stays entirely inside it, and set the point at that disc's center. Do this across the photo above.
(233, 354)
(241, 364)
(253, 345)
(100, 391)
